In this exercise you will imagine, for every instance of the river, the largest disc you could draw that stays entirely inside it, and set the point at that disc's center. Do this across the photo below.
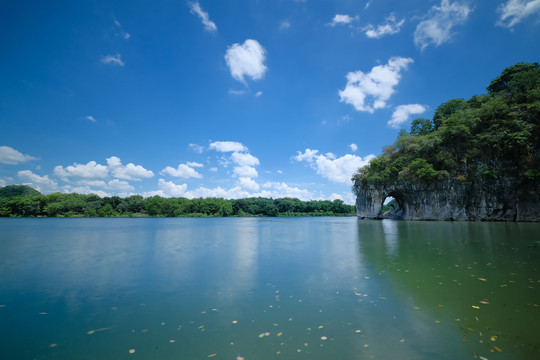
(268, 288)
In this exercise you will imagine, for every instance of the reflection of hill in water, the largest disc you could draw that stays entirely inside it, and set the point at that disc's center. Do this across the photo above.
(480, 277)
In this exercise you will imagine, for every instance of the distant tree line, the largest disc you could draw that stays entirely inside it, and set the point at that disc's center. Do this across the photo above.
(23, 201)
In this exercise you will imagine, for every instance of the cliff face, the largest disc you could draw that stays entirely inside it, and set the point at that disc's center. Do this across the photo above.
(497, 200)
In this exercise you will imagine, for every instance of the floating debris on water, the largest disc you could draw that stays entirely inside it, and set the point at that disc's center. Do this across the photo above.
(132, 351)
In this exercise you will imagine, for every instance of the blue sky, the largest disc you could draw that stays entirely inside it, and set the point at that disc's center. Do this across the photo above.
(235, 98)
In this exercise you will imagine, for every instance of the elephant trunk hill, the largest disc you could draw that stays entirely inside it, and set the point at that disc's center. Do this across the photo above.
(477, 159)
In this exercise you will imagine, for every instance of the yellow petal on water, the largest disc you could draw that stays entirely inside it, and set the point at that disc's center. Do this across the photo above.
(212, 355)
(239, 358)
(290, 319)
(235, 322)
(476, 307)
(305, 344)
(261, 335)
(91, 332)
(496, 348)
(320, 326)
(484, 302)
(53, 345)
(402, 340)
(366, 345)
(43, 313)
(171, 341)
(132, 351)
(358, 331)
(213, 309)
(324, 338)
(482, 279)
(162, 323)
(279, 333)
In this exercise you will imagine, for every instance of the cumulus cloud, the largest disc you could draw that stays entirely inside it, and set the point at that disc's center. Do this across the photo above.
(403, 112)
(339, 170)
(115, 59)
(277, 190)
(248, 184)
(127, 172)
(378, 84)
(183, 171)
(340, 19)
(203, 15)
(246, 59)
(10, 156)
(40, 183)
(436, 27)
(515, 11)
(91, 170)
(244, 159)
(390, 27)
(121, 185)
(227, 146)
(90, 118)
(84, 190)
(245, 171)
(353, 147)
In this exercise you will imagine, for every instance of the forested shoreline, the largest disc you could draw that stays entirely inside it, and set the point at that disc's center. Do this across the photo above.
(24, 201)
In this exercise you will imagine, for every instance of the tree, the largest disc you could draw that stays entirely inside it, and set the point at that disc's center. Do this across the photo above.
(420, 127)
(444, 111)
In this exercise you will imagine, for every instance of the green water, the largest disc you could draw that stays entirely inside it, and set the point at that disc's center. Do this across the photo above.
(268, 288)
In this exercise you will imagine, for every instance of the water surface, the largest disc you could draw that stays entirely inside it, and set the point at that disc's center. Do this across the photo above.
(267, 288)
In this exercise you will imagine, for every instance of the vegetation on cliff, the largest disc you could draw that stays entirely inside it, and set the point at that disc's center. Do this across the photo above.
(489, 137)
(17, 203)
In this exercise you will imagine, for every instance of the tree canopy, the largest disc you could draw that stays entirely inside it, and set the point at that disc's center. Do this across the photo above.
(490, 136)
(69, 205)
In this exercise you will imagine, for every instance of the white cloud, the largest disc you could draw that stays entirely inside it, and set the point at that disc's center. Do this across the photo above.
(248, 184)
(197, 148)
(129, 171)
(213, 169)
(227, 146)
(403, 112)
(379, 84)
(353, 147)
(280, 172)
(277, 190)
(246, 60)
(236, 92)
(10, 156)
(121, 185)
(392, 26)
(115, 59)
(94, 183)
(258, 93)
(339, 170)
(285, 24)
(3, 182)
(40, 183)
(203, 15)
(85, 190)
(244, 159)
(90, 118)
(436, 28)
(120, 30)
(92, 170)
(183, 171)
(194, 164)
(342, 20)
(245, 171)
(514, 11)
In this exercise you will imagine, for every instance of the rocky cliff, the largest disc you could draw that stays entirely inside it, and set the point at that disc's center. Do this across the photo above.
(497, 200)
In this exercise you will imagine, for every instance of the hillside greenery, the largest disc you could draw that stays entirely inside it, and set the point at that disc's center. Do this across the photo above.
(91, 205)
(487, 137)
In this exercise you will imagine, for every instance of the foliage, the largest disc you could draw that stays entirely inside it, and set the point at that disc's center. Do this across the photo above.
(78, 205)
(17, 190)
(486, 137)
